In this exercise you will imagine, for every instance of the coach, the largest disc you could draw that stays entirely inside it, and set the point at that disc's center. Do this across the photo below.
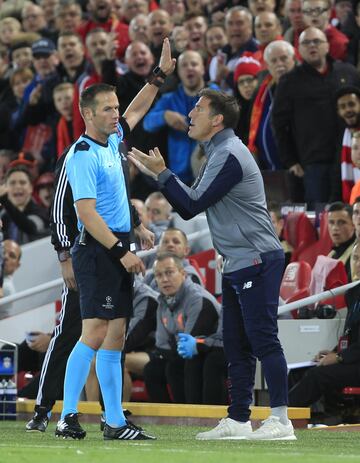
(231, 191)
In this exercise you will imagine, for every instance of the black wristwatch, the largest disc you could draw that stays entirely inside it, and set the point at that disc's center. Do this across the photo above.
(157, 77)
(64, 255)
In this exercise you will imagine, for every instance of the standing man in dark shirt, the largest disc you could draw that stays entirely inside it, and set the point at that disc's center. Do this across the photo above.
(305, 120)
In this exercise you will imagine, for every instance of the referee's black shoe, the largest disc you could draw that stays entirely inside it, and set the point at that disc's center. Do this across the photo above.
(70, 427)
(127, 432)
(126, 412)
(39, 421)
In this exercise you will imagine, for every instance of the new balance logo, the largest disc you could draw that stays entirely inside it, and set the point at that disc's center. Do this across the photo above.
(247, 285)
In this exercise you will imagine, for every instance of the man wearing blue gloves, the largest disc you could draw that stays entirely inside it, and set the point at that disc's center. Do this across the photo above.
(189, 356)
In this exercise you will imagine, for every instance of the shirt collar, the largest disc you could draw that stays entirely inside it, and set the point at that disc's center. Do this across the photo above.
(218, 138)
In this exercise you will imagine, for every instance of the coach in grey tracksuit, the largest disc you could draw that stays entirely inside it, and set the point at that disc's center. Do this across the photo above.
(230, 189)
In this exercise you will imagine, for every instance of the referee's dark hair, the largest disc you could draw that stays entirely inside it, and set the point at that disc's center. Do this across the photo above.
(224, 104)
(88, 96)
(340, 206)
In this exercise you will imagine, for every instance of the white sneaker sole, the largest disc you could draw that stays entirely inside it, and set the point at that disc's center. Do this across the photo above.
(222, 438)
(272, 439)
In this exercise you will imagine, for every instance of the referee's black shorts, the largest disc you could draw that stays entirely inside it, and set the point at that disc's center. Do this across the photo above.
(105, 287)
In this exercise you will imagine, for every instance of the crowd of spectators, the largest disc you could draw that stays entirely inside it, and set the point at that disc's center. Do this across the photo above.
(287, 62)
(292, 64)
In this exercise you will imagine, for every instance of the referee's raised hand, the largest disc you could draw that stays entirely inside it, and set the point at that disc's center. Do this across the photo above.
(133, 263)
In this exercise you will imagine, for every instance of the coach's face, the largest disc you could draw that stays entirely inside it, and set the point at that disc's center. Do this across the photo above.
(105, 116)
(202, 121)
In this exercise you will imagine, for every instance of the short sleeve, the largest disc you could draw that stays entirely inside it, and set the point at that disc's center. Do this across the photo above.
(82, 171)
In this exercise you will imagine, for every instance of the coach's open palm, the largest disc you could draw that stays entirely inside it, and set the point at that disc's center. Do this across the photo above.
(152, 164)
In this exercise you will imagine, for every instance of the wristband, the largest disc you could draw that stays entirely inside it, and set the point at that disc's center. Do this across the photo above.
(157, 77)
(157, 81)
(158, 72)
(118, 251)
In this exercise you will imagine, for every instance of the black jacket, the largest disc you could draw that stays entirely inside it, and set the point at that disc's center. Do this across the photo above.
(304, 113)
(352, 326)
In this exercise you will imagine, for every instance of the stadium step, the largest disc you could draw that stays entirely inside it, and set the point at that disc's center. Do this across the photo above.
(142, 412)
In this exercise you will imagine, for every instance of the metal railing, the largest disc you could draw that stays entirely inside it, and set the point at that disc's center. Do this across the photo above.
(316, 298)
(30, 298)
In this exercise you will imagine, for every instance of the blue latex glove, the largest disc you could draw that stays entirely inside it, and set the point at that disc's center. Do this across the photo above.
(186, 346)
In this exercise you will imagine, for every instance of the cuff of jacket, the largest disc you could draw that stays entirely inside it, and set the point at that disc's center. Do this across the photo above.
(164, 177)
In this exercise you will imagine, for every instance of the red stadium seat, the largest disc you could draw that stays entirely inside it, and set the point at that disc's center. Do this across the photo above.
(351, 390)
(335, 277)
(138, 391)
(295, 283)
(320, 247)
(299, 233)
(205, 262)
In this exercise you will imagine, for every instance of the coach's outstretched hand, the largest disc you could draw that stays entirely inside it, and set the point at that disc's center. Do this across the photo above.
(152, 164)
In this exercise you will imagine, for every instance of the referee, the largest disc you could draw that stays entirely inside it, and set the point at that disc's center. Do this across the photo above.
(230, 189)
(103, 267)
(63, 224)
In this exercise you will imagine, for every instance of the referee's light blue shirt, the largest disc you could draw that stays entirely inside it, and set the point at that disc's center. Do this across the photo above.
(94, 171)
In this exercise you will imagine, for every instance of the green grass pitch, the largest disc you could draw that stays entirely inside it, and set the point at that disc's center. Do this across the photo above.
(175, 444)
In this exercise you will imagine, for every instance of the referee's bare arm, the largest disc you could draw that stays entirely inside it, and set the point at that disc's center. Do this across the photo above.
(95, 225)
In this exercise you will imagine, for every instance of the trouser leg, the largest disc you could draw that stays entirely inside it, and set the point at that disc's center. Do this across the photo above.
(63, 340)
(155, 380)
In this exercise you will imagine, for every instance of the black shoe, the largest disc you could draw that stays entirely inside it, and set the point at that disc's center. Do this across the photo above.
(127, 432)
(38, 422)
(127, 413)
(70, 427)
(102, 421)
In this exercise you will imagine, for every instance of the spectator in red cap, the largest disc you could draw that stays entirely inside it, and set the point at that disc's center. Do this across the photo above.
(44, 189)
(28, 161)
(245, 83)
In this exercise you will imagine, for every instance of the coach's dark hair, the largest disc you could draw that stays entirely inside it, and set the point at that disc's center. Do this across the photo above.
(87, 97)
(222, 103)
(340, 206)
